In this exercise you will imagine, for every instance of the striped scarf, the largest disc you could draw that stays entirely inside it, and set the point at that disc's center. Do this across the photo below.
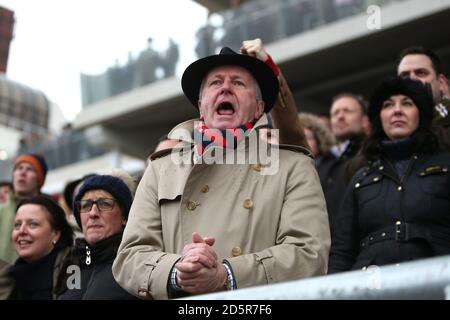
(225, 138)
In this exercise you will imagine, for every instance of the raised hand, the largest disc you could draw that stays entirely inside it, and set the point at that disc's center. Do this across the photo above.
(254, 48)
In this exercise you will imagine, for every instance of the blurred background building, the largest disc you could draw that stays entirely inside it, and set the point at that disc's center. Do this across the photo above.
(148, 67)
(6, 34)
(30, 122)
(323, 47)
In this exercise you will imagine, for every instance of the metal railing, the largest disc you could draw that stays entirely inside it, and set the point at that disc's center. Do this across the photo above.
(421, 279)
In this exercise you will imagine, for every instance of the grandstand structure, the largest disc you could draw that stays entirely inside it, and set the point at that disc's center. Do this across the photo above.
(331, 56)
(322, 50)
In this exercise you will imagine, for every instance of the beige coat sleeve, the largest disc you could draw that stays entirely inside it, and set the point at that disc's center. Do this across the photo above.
(303, 238)
(141, 266)
(285, 117)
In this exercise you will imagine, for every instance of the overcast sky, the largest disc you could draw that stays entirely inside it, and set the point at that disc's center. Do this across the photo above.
(55, 40)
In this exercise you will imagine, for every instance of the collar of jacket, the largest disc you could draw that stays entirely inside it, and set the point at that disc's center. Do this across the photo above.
(184, 133)
(396, 150)
(184, 130)
(354, 146)
(35, 279)
(103, 251)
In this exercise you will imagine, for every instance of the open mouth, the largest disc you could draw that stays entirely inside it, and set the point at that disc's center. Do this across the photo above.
(24, 242)
(225, 109)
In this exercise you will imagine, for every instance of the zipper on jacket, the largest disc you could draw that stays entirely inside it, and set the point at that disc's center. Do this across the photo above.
(400, 184)
(408, 169)
(397, 178)
(88, 256)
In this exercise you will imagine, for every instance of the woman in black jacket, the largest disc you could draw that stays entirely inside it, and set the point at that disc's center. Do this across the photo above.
(42, 238)
(101, 209)
(397, 208)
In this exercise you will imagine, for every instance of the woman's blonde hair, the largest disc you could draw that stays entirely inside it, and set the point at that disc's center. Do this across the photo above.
(322, 133)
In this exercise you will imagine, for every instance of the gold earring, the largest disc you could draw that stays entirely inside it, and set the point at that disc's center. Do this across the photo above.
(54, 242)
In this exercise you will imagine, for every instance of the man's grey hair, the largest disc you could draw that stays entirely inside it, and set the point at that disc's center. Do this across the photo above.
(257, 88)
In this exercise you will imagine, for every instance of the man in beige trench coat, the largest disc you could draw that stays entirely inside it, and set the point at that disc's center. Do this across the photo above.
(199, 226)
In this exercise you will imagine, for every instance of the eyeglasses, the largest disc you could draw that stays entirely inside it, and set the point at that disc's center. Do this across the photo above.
(103, 204)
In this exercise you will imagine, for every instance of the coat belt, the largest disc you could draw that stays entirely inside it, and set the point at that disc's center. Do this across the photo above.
(400, 232)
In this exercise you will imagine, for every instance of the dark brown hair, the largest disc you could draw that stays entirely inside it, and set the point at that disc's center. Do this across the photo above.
(58, 219)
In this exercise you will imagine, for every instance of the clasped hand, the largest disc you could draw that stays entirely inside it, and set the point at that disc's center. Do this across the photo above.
(198, 271)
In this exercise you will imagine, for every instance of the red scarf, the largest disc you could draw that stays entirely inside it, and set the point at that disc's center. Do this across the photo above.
(225, 138)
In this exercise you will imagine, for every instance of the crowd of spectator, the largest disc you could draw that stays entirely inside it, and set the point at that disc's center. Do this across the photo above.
(368, 187)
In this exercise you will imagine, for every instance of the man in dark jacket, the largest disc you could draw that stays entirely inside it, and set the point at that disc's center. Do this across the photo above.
(349, 124)
(420, 63)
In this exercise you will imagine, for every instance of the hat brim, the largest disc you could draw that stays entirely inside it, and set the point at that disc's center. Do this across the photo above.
(195, 72)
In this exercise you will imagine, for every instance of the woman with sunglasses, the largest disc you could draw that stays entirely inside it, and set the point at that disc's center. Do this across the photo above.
(101, 210)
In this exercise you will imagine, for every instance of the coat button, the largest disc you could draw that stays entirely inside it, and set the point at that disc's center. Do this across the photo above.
(383, 234)
(399, 188)
(248, 204)
(364, 268)
(376, 179)
(205, 188)
(357, 185)
(257, 167)
(236, 251)
(380, 168)
(191, 205)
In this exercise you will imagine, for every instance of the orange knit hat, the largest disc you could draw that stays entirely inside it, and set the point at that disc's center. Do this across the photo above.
(37, 162)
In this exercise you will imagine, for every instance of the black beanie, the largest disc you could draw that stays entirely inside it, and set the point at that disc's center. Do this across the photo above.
(420, 93)
(114, 185)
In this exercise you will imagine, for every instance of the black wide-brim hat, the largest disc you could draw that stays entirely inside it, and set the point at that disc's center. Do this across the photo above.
(196, 72)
